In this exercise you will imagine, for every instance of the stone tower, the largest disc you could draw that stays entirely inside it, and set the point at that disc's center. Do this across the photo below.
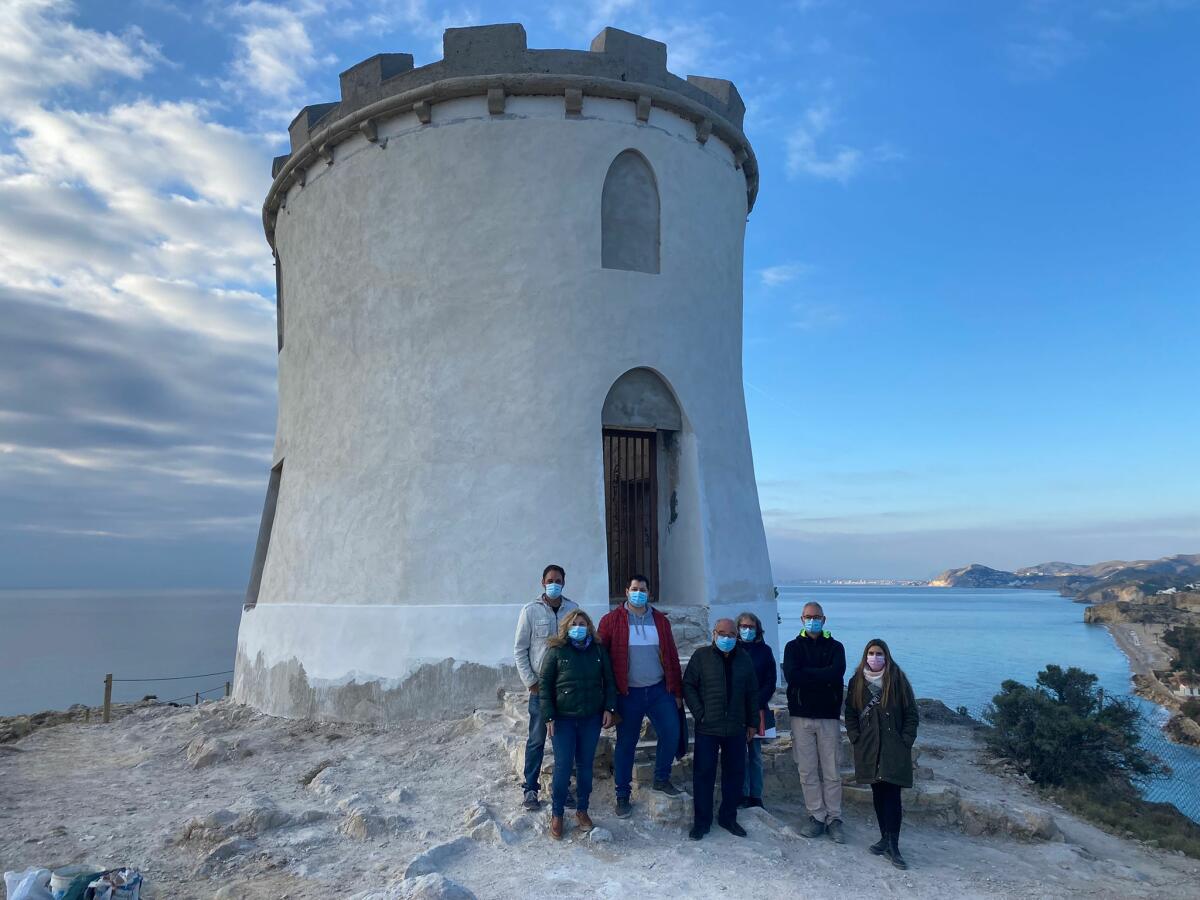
(510, 334)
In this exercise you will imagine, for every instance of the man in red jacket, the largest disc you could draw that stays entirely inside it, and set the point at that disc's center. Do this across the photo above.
(649, 683)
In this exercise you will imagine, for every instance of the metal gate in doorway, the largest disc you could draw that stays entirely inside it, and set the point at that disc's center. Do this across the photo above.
(631, 507)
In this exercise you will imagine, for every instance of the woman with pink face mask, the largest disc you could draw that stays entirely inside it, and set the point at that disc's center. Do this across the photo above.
(881, 722)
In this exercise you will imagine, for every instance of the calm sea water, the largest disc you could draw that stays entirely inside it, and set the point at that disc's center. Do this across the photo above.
(57, 645)
(958, 645)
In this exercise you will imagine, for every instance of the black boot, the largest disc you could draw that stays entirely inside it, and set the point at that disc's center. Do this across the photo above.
(880, 847)
(894, 851)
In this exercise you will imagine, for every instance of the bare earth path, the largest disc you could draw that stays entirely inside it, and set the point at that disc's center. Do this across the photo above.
(212, 802)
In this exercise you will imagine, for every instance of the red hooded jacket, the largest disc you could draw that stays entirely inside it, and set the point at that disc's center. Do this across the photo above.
(614, 635)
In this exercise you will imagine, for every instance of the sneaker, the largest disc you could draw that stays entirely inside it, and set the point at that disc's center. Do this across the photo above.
(733, 828)
(812, 828)
(697, 832)
(624, 810)
(665, 787)
(531, 801)
(835, 831)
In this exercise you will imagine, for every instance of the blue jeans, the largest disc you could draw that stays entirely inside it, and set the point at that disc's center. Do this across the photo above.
(753, 785)
(659, 705)
(535, 746)
(574, 741)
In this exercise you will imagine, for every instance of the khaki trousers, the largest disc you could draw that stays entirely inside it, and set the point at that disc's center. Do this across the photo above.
(815, 749)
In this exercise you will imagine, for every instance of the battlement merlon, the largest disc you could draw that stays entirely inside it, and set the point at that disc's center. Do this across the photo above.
(618, 64)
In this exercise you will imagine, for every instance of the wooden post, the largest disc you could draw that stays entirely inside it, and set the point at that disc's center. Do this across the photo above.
(227, 689)
(107, 697)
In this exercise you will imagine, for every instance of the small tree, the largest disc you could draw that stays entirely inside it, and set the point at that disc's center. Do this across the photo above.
(1065, 731)
(1186, 641)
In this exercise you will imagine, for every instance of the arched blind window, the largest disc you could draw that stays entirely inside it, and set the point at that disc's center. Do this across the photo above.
(629, 215)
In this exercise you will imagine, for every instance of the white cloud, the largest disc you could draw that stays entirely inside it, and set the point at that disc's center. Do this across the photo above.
(809, 150)
(40, 50)
(1044, 50)
(275, 50)
(774, 276)
(806, 157)
(137, 341)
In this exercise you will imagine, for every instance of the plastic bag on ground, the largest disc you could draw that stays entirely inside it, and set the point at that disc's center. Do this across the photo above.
(117, 884)
(32, 884)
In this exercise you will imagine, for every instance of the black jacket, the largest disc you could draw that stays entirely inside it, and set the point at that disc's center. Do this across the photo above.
(814, 669)
(721, 707)
(576, 682)
(766, 671)
(883, 738)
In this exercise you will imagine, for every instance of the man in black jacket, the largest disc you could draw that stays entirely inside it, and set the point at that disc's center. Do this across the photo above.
(721, 691)
(814, 665)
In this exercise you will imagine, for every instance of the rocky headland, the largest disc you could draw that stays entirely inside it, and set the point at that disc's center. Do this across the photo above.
(219, 801)
(1139, 602)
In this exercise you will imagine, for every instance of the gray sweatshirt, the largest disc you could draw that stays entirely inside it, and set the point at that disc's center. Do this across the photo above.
(536, 625)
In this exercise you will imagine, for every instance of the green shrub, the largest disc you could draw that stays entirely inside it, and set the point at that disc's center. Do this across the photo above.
(1120, 810)
(1191, 709)
(1064, 731)
(1186, 641)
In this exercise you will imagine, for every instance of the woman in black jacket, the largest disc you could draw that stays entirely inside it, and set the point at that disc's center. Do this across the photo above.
(881, 722)
(750, 638)
(579, 696)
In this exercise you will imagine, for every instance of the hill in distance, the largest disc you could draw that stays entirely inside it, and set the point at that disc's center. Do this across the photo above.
(1095, 582)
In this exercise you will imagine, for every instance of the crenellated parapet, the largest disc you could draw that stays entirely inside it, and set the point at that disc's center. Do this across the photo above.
(493, 61)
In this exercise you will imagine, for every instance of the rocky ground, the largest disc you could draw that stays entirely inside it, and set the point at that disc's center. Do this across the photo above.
(218, 801)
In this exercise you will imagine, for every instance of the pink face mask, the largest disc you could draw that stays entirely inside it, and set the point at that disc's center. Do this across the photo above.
(876, 662)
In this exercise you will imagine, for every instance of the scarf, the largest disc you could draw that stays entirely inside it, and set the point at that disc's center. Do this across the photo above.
(581, 645)
(874, 679)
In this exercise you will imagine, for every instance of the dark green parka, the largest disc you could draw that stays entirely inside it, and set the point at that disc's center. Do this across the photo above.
(883, 738)
(721, 709)
(575, 682)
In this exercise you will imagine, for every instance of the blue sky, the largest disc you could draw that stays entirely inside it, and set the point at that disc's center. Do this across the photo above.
(972, 276)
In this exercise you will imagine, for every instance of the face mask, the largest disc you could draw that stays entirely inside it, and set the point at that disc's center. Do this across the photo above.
(876, 662)
(725, 644)
(638, 598)
(747, 634)
(814, 626)
(577, 632)
(553, 590)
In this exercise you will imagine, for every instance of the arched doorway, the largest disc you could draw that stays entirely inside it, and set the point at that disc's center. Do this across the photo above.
(640, 413)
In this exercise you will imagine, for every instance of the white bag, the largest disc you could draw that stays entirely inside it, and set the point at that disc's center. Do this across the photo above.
(32, 884)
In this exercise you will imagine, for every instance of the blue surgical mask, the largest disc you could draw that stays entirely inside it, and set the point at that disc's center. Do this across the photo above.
(747, 634)
(725, 643)
(553, 590)
(814, 626)
(638, 598)
(577, 632)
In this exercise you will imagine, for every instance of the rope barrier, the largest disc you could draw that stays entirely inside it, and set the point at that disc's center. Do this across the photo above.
(219, 687)
(178, 677)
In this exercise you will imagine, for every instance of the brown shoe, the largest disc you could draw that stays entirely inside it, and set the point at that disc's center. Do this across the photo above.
(584, 821)
(556, 827)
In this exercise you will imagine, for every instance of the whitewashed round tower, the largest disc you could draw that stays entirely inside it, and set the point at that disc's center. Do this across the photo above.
(510, 334)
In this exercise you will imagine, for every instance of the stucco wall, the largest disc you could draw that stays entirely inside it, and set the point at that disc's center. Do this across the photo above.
(450, 340)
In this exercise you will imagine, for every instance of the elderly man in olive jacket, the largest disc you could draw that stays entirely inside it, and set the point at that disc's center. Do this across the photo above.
(721, 691)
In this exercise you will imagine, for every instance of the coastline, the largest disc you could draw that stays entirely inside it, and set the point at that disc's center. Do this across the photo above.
(1141, 647)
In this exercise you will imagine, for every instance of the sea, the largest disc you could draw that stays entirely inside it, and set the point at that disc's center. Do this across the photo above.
(957, 645)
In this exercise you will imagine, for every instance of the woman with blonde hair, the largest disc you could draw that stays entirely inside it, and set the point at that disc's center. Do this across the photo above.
(881, 722)
(579, 696)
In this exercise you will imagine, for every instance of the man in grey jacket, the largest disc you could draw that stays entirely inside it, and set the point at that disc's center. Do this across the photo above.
(538, 623)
